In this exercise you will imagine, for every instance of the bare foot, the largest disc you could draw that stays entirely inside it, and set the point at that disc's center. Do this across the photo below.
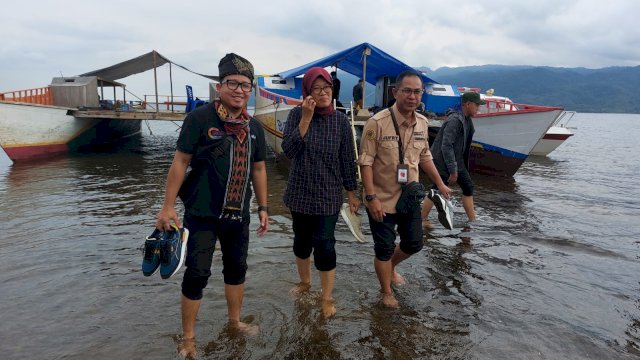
(390, 301)
(244, 328)
(426, 224)
(328, 308)
(397, 279)
(300, 288)
(187, 348)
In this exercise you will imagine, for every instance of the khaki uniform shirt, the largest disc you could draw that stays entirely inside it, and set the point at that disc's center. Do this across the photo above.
(379, 149)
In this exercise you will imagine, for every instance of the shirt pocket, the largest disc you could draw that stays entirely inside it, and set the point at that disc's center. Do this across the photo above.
(417, 147)
(389, 144)
(389, 151)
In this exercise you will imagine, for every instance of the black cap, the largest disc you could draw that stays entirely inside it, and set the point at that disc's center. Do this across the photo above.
(232, 64)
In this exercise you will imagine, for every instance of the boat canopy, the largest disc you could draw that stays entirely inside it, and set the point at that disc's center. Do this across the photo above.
(137, 65)
(351, 60)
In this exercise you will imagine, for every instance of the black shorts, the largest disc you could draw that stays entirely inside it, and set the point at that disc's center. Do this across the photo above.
(464, 180)
(234, 243)
(384, 234)
(317, 233)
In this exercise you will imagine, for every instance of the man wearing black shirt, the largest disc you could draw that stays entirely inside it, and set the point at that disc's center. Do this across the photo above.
(225, 148)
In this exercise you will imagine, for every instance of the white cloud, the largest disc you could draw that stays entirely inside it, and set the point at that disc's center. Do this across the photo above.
(41, 40)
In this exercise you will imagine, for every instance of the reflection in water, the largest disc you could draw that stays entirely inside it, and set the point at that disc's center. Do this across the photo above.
(229, 344)
(307, 337)
(449, 268)
(633, 331)
(549, 270)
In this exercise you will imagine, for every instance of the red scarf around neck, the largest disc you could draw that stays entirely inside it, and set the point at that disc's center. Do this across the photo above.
(237, 126)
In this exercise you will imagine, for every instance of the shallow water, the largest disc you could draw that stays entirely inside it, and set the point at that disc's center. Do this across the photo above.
(549, 271)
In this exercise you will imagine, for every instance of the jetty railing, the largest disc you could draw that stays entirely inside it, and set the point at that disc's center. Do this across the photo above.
(40, 96)
(167, 104)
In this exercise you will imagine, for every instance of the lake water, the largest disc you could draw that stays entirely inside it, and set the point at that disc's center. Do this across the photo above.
(551, 269)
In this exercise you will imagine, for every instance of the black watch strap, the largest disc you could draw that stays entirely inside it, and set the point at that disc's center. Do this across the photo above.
(370, 197)
(263, 208)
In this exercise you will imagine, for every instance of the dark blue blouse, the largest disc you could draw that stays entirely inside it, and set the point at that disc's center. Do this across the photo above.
(322, 163)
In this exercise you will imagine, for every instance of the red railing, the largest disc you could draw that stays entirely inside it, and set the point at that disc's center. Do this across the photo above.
(40, 96)
(177, 100)
(493, 107)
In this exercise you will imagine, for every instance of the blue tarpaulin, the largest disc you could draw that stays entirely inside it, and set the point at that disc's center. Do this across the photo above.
(351, 60)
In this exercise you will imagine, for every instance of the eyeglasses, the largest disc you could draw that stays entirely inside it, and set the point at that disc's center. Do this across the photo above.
(317, 90)
(407, 91)
(233, 85)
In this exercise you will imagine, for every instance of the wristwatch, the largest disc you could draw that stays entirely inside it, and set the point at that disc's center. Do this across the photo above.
(370, 198)
(263, 208)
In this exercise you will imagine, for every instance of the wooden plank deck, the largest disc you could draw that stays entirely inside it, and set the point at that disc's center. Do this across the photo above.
(128, 115)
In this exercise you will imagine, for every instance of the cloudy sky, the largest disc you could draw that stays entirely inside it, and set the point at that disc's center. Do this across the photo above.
(44, 39)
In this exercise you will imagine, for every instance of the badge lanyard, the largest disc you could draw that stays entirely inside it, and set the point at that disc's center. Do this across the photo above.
(403, 170)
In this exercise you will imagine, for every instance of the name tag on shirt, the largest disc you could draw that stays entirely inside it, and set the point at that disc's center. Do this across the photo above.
(403, 174)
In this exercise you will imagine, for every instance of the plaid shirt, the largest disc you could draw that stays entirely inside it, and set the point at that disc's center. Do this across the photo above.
(322, 163)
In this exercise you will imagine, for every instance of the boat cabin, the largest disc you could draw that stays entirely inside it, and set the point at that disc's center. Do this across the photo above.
(86, 92)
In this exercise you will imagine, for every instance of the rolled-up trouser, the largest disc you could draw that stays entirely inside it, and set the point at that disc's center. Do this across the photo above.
(384, 234)
(315, 233)
(464, 180)
(234, 242)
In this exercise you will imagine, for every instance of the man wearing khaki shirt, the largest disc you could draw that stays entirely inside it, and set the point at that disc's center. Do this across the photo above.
(383, 174)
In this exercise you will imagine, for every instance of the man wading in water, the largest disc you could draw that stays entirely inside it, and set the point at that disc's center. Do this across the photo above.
(225, 148)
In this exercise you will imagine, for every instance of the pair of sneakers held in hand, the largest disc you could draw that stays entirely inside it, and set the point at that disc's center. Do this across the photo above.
(165, 250)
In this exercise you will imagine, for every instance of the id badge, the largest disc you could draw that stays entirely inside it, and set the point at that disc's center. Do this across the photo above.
(403, 174)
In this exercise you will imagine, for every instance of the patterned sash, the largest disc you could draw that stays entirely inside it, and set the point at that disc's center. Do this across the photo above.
(239, 171)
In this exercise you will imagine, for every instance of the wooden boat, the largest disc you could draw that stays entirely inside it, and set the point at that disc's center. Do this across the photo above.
(502, 142)
(32, 127)
(554, 137)
(72, 113)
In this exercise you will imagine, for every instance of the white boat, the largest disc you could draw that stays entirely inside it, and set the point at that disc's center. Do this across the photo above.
(71, 113)
(502, 142)
(554, 137)
(5, 160)
(32, 130)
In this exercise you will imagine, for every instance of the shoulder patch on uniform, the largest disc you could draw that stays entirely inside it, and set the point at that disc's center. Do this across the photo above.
(370, 134)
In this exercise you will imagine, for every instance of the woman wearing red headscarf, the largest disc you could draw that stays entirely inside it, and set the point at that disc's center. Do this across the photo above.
(318, 141)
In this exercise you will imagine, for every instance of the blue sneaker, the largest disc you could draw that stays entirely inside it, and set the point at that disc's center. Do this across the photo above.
(173, 249)
(151, 258)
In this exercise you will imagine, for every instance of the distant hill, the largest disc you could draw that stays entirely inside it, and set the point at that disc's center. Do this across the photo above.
(606, 90)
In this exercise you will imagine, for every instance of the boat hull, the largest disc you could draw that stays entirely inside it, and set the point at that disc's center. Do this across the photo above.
(31, 131)
(551, 140)
(502, 141)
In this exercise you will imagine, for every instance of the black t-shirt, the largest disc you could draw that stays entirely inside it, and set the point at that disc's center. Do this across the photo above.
(204, 137)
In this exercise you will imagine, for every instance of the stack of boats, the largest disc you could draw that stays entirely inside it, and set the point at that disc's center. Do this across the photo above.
(506, 132)
(69, 113)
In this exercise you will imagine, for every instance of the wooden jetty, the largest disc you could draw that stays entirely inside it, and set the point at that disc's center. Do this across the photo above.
(128, 115)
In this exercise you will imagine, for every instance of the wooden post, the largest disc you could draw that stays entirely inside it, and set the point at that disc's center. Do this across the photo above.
(155, 78)
(365, 52)
(171, 85)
